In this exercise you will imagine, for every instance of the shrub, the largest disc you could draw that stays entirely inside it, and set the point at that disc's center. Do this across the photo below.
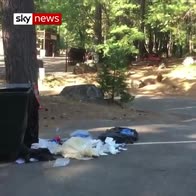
(112, 77)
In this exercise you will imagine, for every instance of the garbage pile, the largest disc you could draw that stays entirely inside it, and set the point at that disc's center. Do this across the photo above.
(80, 145)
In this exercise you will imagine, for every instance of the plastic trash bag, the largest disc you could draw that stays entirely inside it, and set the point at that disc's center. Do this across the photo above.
(120, 135)
(81, 148)
(61, 162)
(80, 133)
(78, 148)
(127, 132)
(99, 147)
(109, 146)
(45, 143)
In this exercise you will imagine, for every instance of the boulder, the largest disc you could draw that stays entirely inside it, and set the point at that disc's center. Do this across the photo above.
(84, 92)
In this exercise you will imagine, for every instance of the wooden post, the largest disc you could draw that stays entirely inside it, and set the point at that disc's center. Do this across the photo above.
(66, 60)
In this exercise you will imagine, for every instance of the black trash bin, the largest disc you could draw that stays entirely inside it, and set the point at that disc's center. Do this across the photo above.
(18, 119)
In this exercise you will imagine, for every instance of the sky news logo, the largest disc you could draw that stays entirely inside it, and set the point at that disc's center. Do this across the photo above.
(37, 18)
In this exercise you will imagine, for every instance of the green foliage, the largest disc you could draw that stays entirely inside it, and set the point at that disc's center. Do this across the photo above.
(175, 18)
(116, 49)
(112, 77)
(163, 23)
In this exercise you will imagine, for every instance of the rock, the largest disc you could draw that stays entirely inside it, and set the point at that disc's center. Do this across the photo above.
(84, 92)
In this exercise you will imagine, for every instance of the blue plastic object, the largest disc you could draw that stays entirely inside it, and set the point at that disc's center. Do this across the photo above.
(80, 133)
(127, 132)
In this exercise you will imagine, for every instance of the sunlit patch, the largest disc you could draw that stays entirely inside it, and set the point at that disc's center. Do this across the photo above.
(192, 136)
(190, 120)
(187, 86)
(184, 72)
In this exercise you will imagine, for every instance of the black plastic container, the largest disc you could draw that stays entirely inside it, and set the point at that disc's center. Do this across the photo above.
(18, 119)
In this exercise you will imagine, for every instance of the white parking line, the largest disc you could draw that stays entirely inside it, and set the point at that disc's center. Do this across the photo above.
(169, 142)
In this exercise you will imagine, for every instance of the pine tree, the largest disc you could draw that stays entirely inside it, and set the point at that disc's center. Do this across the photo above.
(112, 77)
(19, 43)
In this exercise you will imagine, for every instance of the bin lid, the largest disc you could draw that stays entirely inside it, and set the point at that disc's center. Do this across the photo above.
(15, 86)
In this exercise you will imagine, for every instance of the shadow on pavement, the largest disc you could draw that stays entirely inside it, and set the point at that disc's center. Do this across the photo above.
(144, 170)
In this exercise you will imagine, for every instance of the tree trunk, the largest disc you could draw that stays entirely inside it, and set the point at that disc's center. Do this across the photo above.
(98, 23)
(19, 43)
(142, 48)
(150, 43)
(170, 45)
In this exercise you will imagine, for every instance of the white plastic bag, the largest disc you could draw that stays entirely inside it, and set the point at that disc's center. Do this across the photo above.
(77, 147)
(61, 162)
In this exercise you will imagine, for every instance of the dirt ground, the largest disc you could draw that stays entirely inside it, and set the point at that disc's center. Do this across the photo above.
(56, 111)
(177, 80)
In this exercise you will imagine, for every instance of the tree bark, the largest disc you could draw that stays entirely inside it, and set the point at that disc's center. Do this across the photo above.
(98, 27)
(150, 43)
(98, 23)
(19, 43)
(142, 48)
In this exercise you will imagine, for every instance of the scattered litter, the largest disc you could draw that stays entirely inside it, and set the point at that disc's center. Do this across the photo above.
(86, 158)
(35, 155)
(120, 135)
(33, 160)
(60, 162)
(42, 154)
(127, 132)
(80, 146)
(57, 129)
(63, 140)
(43, 143)
(110, 146)
(100, 148)
(56, 139)
(51, 145)
(20, 161)
(77, 147)
(80, 133)
(123, 149)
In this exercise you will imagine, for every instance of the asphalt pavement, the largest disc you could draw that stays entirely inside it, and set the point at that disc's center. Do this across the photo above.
(161, 163)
